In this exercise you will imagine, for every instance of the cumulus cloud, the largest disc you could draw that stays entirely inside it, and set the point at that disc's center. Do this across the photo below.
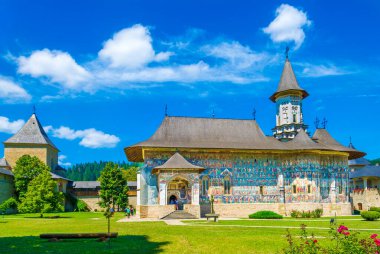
(314, 71)
(57, 66)
(10, 127)
(129, 61)
(11, 92)
(90, 138)
(131, 48)
(288, 25)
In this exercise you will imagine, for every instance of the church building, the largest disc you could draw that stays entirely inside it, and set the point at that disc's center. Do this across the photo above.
(188, 159)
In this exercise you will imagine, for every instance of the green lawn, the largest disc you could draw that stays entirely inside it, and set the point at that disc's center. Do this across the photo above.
(19, 234)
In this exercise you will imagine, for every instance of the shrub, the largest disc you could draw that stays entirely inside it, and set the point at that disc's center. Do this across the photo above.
(265, 215)
(370, 215)
(376, 209)
(10, 203)
(295, 214)
(82, 206)
(317, 213)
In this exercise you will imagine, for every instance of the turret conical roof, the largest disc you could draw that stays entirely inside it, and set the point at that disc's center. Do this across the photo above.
(288, 82)
(31, 133)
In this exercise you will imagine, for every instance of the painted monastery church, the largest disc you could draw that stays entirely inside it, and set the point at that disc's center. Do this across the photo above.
(188, 159)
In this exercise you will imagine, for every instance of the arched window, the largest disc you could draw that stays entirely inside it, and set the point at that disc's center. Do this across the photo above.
(227, 184)
(205, 185)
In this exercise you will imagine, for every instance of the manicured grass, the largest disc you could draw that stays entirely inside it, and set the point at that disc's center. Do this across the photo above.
(19, 234)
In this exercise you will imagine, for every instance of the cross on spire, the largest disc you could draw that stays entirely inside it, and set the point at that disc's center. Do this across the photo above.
(287, 52)
(254, 113)
(324, 123)
(34, 109)
(166, 109)
(316, 122)
(213, 114)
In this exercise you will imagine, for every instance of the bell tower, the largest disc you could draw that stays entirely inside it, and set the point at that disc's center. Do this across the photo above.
(288, 99)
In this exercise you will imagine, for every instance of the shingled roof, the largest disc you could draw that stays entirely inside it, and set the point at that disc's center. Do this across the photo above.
(366, 171)
(288, 82)
(177, 162)
(303, 141)
(31, 133)
(322, 136)
(216, 133)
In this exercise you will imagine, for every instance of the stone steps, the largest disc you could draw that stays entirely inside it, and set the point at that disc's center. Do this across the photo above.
(179, 215)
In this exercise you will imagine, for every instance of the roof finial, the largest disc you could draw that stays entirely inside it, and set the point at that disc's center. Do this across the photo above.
(287, 52)
(254, 113)
(166, 109)
(34, 109)
(350, 140)
(316, 122)
(324, 123)
(213, 114)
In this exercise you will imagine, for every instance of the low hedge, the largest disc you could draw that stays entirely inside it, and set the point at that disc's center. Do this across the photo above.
(265, 215)
(370, 215)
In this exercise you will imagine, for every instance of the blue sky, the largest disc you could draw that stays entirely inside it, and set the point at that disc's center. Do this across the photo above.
(101, 72)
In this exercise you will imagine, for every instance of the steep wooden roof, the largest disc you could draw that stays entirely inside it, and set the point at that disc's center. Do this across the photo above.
(177, 162)
(31, 133)
(216, 133)
(288, 82)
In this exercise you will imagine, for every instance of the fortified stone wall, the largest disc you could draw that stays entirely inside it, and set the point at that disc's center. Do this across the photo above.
(6, 187)
(366, 197)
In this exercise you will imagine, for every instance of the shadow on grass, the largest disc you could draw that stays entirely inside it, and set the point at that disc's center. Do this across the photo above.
(47, 217)
(123, 244)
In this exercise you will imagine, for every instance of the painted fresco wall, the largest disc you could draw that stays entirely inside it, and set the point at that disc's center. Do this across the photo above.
(326, 175)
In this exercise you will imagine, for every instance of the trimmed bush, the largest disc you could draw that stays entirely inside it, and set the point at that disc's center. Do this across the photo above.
(370, 215)
(376, 209)
(265, 215)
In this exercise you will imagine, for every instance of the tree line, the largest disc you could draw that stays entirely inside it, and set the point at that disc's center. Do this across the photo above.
(91, 171)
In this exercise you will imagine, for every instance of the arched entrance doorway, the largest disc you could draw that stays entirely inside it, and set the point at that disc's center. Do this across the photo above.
(179, 192)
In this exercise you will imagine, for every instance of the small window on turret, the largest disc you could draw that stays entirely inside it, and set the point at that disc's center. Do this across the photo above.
(294, 189)
(261, 190)
(309, 188)
(294, 118)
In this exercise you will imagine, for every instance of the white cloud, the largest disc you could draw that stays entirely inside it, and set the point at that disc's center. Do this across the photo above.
(9, 126)
(315, 71)
(131, 48)
(129, 61)
(11, 92)
(62, 162)
(237, 55)
(90, 138)
(288, 25)
(57, 66)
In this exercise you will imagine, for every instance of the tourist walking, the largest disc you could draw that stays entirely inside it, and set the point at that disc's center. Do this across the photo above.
(128, 212)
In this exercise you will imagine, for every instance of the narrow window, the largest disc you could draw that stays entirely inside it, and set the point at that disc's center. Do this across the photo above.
(309, 188)
(205, 185)
(294, 118)
(294, 189)
(227, 185)
(261, 190)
